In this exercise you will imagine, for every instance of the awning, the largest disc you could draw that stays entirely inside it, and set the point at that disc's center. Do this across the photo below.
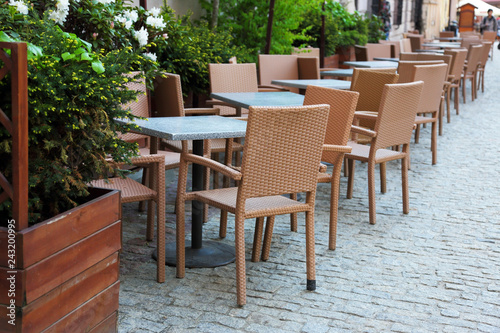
(482, 7)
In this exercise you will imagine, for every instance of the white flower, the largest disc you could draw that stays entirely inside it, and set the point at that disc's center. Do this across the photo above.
(20, 6)
(141, 36)
(131, 15)
(154, 11)
(62, 5)
(155, 22)
(120, 19)
(128, 24)
(59, 16)
(150, 55)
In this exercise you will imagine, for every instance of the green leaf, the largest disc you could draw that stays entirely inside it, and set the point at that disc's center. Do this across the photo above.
(79, 51)
(67, 56)
(34, 51)
(86, 44)
(85, 56)
(97, 67)
(5, 38)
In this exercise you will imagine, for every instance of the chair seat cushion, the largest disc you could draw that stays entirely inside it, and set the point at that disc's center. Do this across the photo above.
(225, 199)
(172, 159)
(131, 190)
(361, 153)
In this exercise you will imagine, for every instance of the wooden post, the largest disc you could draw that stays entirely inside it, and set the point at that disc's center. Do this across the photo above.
(322, 38)
(267, 48)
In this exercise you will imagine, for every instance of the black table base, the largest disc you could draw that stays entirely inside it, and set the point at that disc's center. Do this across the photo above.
(212, 254)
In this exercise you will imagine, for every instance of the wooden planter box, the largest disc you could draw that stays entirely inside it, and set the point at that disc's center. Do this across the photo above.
(346, 53)
(66, 274)
(332, 61)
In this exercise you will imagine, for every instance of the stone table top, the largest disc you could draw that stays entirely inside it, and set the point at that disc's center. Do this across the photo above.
(247, 99)
(338, 73)
(443, 45)
(371, 64)
(190, 128)
(302, 84)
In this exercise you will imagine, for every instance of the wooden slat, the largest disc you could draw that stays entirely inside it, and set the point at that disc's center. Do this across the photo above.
(39, 241)
(53, 306)
(5, 120)
(20, 134)
(20, 276)
(5, 185)
(62, 266)
(108, 325)
(89, 314)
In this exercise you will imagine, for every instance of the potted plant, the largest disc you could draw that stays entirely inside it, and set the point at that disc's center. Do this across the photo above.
(65, 261)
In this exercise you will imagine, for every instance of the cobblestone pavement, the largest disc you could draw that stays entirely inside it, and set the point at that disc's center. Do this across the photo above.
(436, 269)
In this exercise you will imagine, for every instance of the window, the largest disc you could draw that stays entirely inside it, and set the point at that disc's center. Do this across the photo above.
(398, 12)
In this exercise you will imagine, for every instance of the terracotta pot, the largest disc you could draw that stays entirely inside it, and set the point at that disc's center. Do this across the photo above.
(66, 270)
(345, 53)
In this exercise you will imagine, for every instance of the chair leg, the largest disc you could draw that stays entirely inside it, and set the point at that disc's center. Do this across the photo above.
(371, 192)
(268, 235)
(417, 134)
(257, 238)
(482, 81)
(293, 216)
(383, 185)
(150, 224)
(440, 116)
(404, 179)
(145, 180)
(206, 186)
(240, 260)
(464, 89)
(434, 142)
(456, 100)
(334, 205)
(350, 180)
(310, 254)
(448, 118)
(160, 236)
(223, 224)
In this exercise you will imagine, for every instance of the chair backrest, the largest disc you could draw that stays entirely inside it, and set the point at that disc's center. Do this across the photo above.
(490, 36)
(356, 71)
(233, 78)
(466, 42)
(277, 67)
(396, 115)
(466, 34)
(342, 106)
(378, 50)
(139, 107)
(483, 59)
(433, 77)
(446, 34)
(474, 57)
(306, 52)
(411, 56)
(361, 53)
(457, 63)
(395, 47)
(370, 85)
(434, 56)
(406, 45)
(406, 68)
(167, 96)
(308, 68)
(282, 150)
(416, 41)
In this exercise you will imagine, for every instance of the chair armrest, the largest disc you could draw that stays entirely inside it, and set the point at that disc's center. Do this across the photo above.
(214, 165)
(264, 88)
(329, 69)
(192, 111)
(322, 167)
(213, 102)
(337, 148)
(365, 115)
(364, 131)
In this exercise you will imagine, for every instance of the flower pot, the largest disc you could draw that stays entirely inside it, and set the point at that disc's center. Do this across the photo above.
(66, 270)
(332, 61)
(346, 53)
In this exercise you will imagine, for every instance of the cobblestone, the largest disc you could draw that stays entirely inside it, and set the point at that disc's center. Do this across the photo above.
(436, 269)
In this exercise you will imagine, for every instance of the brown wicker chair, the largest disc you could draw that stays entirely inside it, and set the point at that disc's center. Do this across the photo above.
(395, 47)
(457, 65)
(406, 68)
(132, 191)
(482, 63)
(393, 127)
(446, 34)
(490, 36)
(470, 70)
(282, 152)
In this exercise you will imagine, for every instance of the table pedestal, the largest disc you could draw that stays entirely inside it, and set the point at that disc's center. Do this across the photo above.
(199, 253)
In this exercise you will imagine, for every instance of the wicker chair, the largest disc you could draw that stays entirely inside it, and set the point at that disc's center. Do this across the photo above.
(490, 36)
(395, 47)
(406, 68)
(406, 45)
(282, 152)
(416, 41)
(470, 70)
(433, 77)
(446, 34)
(393, 127)
(457, 65)
(133, 191)
(482, 63)
(372, 50)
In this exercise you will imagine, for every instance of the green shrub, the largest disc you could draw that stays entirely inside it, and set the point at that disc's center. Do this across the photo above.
(74, 93)
(375, 29)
